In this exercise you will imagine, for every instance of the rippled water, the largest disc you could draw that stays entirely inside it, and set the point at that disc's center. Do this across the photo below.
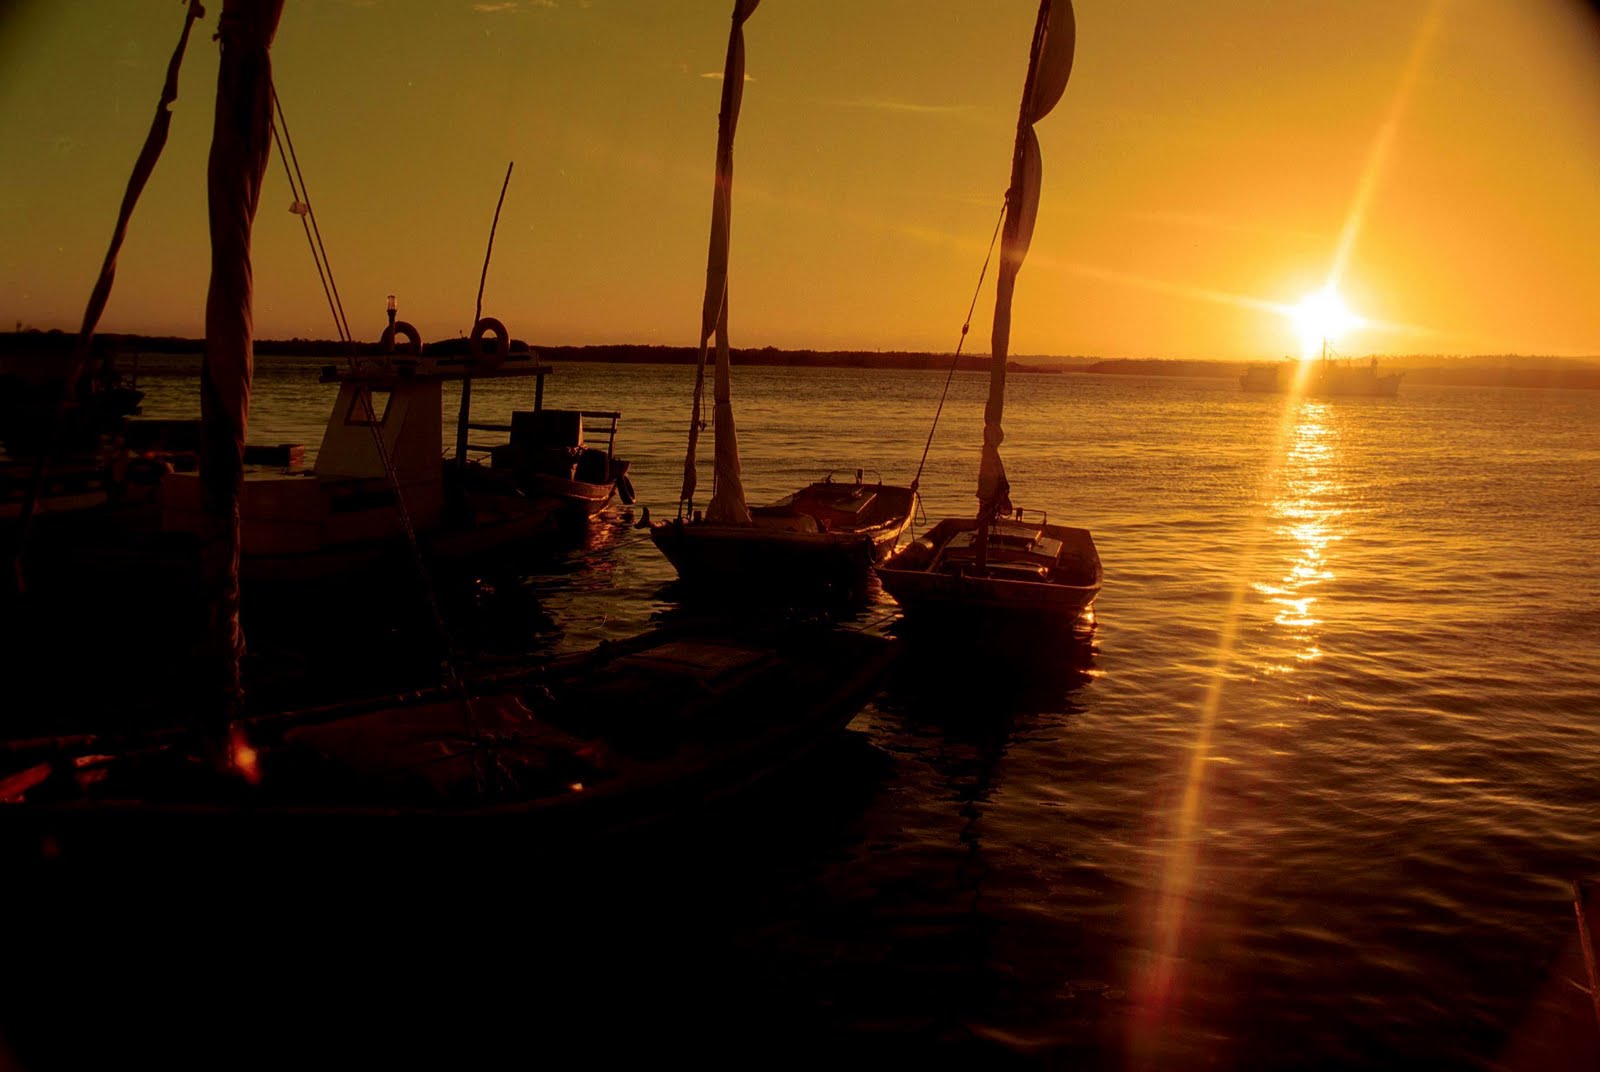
(1313, 795)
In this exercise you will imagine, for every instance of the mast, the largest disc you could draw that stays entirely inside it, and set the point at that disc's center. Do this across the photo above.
(143, 167)
(240, 141)
(727, 499)
(1049, 65)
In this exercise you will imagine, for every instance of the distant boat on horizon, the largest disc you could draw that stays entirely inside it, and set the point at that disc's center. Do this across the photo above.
(1331, 376)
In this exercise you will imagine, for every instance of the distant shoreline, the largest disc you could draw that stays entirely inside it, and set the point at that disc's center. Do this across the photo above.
(30, 353)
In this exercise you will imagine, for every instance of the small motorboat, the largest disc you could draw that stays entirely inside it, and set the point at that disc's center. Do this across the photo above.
(1034, 573)
(552, 459)
(825, 537)
(997, 570)
(820, 541)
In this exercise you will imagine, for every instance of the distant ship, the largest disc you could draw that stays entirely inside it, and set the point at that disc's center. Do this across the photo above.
(1328, 377)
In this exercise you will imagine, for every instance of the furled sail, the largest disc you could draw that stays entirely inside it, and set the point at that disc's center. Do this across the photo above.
(1049, 65)
(241, 138)
(727, 500)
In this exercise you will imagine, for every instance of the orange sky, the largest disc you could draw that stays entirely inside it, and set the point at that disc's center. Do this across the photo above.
(1200, 170)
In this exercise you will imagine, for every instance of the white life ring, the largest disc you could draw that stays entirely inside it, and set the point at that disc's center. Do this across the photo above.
(495, 357)
(413, 344)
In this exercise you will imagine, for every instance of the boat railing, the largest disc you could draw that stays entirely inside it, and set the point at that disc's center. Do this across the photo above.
(1023, 514)
(605, 422)
(597, 422)
(858, 473)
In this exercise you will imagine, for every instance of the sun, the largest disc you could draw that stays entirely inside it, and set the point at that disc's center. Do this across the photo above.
(1322, 316)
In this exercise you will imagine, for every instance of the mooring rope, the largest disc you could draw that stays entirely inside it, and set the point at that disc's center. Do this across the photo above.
(955, 359)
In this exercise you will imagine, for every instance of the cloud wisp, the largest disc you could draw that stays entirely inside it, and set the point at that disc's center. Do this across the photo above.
(890, 104)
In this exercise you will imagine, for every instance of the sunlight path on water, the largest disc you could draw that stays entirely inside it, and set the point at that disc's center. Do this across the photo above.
(1157, 988)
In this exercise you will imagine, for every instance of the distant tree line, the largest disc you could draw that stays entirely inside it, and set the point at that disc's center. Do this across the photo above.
(25, 350)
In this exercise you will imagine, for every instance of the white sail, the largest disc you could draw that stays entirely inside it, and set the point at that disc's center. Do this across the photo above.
(727, 500)
(1049, 65)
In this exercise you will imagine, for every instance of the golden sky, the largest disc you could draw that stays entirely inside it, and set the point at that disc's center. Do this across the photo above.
(1199, 172)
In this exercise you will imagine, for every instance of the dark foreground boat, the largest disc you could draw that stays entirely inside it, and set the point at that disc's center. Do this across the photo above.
(635, 734)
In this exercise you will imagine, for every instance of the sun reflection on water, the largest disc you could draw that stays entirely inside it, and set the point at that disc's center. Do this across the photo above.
(1308, 523)
(1297, 510)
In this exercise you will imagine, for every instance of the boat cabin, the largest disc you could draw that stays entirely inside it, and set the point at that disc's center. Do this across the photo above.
(384, 412)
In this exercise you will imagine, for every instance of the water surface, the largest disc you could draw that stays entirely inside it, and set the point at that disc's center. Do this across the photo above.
(1313, 793)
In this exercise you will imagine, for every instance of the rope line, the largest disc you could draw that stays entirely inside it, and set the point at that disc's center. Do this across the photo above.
(477, 313)
(305, 196)
(456, 680)
(956, 357)
(294, 190)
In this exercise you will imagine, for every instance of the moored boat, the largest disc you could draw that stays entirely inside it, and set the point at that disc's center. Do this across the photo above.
(1035, 574)
(823, 538)
(995, 569)
(554, 461)
(819, 541)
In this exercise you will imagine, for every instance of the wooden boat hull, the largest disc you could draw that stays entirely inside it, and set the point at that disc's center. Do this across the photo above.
(714, 555)
(572, 499)
(800, 544)
(985, 602)
(729, 712)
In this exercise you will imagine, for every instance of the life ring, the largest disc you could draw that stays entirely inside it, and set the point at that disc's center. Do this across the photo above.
(413, 345)
(493, 358)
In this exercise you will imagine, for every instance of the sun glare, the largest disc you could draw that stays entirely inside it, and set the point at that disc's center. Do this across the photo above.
(1321, 316)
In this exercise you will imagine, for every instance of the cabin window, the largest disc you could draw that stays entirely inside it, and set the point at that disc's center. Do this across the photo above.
(368, 407)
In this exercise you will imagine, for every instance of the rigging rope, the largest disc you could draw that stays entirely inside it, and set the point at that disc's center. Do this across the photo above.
(302, 194)
(452, 659)
(965, 327)
(338, 325)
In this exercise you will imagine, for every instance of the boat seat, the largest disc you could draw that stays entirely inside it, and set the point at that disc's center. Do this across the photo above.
(542, 428)
(1018, 547)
